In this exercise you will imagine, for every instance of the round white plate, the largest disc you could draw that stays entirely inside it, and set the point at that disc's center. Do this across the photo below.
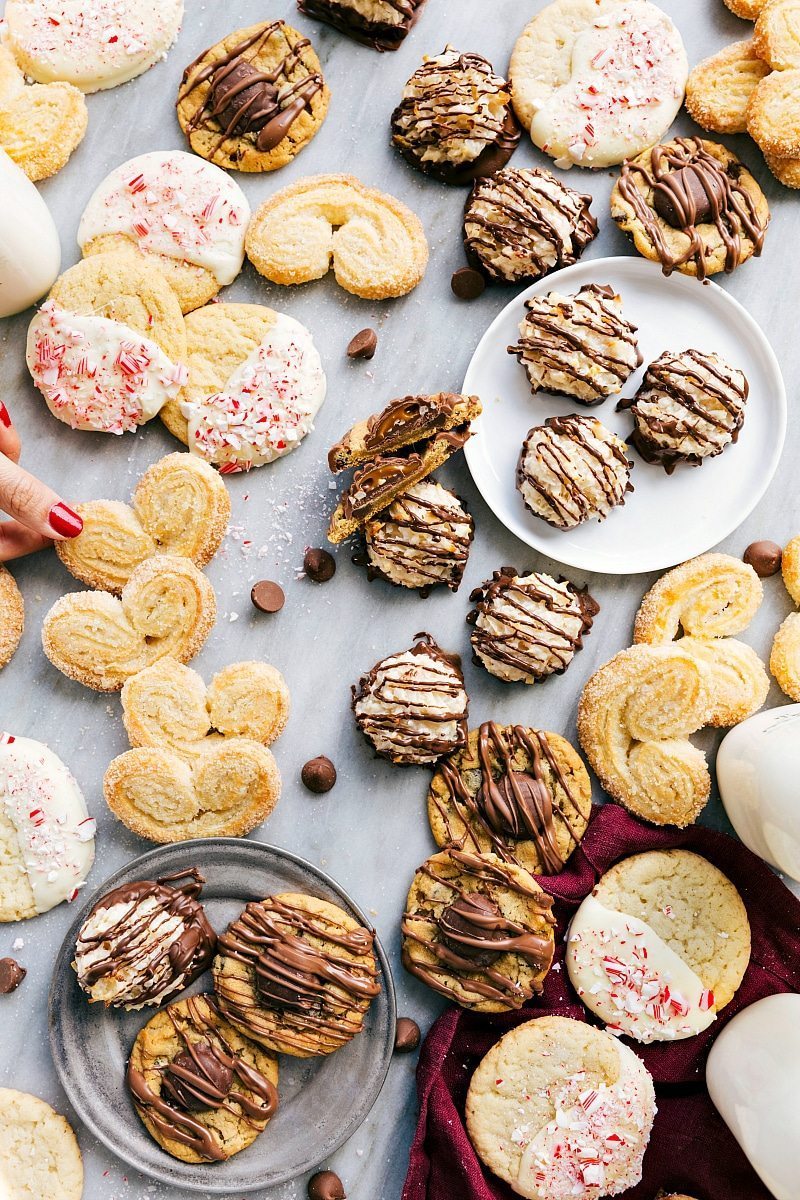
(667, 518)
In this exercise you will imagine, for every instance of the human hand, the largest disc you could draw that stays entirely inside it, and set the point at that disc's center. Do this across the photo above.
(38, 515)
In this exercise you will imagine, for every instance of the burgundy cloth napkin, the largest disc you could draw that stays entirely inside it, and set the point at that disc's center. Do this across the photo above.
(691, 1149)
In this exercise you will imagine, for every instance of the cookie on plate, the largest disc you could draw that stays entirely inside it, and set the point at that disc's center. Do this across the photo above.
(526, 627)
(112, 372)
(559, 1108)
(596, 81)
(144, 941)
(382, 24)
(580, 346)
(660, 946)
(46, 833)
(478, 930)
(185, 216)
(522, 794)
(12, 616)
(202, 1091)
(41, 124)
(252, 101)
(719, 87)
(692, 206)
(402, 423)
(422, 540)
(39, 1148)
(296, 974)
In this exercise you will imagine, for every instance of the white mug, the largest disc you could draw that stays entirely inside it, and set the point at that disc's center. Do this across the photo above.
(30, 252)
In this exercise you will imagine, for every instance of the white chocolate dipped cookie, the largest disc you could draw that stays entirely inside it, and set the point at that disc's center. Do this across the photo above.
(46, 833)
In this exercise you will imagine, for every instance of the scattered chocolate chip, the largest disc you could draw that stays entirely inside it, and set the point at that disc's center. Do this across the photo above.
(267, 596)
(319, 565)
(363, 345)
(406, 1036)
(11, 975)
(326, 1185)
(319, 774)
(764, 558)
(467, 283)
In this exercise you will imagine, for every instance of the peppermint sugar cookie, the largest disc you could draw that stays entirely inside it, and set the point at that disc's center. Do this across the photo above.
(39, 1153)
(46, 833)
(93, 46)
(560, 1110)
(597, 81)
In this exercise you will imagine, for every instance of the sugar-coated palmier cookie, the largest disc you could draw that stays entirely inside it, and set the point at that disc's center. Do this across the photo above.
(660, 946)
(382, 24)
(595, 81)
(692, 206)
(773, 114)
(202, 1091)
(375, 246)
(180, 506)
(184, 215)
(558, 1108)
(403, 422)
(40, 1149)
(422, 540)
(784, 661)
(478, 930)
(167, 608)
(12, 616)
(252, 101)
(46, 833)
(521, 794)
(776, 37)
(785, 170)
(296, 974)
(748, 10)
(107, 348)
(41, 124)
(93, 47)
(719, 88)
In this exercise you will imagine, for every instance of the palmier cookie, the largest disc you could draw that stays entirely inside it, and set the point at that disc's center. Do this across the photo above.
(317, 1005)
(12, 616)
(40, 124)
(773, 114)
(180, 506)
(478, 930)
(111, 372)
(579, 346)
(382, 25)
(412, 706)
(403, 422)
(422, 540)
(255, 384)
(375, 245)
(39, 1148)
(560, 1108)
(785, 170)
(711, 596)
(167, 608)
(573, 469)
(455, 120)
(183, 215)
(521, 794)
(719, 87)
(690, 205)
(526, 627)
(255, 99)
(660, 946)
(523, 222)
(784, 659)
(202, 1091)
(748, 10)
(776, 37)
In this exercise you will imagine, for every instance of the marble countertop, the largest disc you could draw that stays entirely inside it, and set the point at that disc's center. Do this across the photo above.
(370, 832)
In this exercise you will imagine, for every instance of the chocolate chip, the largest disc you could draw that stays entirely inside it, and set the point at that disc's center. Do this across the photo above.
(326, 1185)
(363, 345)
(764, 558)
(11, 975)
(319, 774)
(406, 1035)
(467, 283)
(319, 565)
(267, 596)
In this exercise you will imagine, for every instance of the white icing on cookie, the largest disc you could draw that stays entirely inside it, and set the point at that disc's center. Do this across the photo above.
(176, 204)
(267, 406)
(54, 831)
(96, 373)
(626, 974)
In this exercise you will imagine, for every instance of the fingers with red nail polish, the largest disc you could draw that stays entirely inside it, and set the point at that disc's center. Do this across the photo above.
(64, 520)
(9, 438)
(4, 415)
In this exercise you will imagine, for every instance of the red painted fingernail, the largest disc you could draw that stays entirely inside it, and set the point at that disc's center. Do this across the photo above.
(4, 417)
(64, 521)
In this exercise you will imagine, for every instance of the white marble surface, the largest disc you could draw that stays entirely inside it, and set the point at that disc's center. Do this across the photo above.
(370, 832)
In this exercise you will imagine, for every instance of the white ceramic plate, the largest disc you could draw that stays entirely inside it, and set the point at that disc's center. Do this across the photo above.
(667, 518)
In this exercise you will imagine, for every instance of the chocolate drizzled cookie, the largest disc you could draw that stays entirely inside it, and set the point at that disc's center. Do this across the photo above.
(421, 540)
(403, 422)
(383, 24)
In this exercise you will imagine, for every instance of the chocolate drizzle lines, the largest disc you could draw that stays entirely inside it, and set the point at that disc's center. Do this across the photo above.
(424, 538)
(380, 34)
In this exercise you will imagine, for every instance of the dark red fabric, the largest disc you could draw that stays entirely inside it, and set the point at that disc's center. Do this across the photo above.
(691, 1149)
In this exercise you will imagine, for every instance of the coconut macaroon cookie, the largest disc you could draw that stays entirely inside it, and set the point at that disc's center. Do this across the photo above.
(184, 215)
(526, 627)
(573, 469)
(112, 372)
(521, 794)
(296, 974)
(560, 1109)
(46, 833)
(478, 930)
(455, 120)
(422, 540)
(39, 1153)
(579, 346)
(660, 946)
(412, 706)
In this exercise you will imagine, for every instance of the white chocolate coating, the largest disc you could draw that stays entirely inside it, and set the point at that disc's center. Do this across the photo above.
(30, 252)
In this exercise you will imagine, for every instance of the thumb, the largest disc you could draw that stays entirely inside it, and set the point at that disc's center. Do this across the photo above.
(34, 504)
